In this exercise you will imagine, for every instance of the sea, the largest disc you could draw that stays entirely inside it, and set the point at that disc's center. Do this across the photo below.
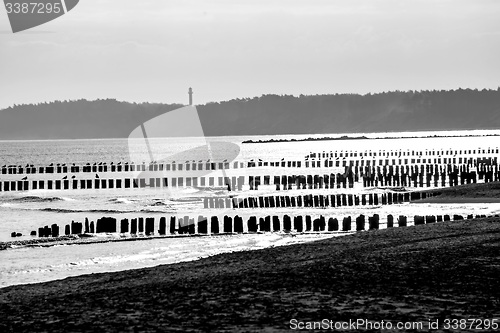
(24, 211)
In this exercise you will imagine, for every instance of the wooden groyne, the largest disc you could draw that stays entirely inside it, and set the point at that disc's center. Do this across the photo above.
(125, 183)
(104, 167)
(202, 225)
(406, 176)
(316, 200)
(412, 172)
(407, 153)
(399, 176)
(340, 158)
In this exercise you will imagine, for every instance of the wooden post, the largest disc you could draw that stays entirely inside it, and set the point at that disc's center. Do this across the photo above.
(316, 224)
(346, 224)
(360, 223)
(124, 226)
(374, 222)
(252, 224)
(238, 224)
(266, 226)
(287, 223)
(402, 221)
(308, 223)
(141, 224)
(228, 224)
(55, 230)
(76, 228)
(418, 220)
(172, 228)
(202, 225)
(214, 225)
(276, 223)
(133, 226)
(333, 224)
(390, 221)
(298, 223)
(430, 219)
(150, 226)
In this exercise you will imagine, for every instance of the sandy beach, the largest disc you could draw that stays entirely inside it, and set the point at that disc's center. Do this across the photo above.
(470, 193)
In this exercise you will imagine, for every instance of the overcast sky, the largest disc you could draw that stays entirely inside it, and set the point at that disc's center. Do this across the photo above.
(154, 50)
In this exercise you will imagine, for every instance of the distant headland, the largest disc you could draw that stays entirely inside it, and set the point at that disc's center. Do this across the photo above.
(345, 137)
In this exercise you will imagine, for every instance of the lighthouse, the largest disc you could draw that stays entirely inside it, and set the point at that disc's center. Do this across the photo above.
(190, 92)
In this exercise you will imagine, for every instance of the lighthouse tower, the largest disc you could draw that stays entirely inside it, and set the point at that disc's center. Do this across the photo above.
(190, 92)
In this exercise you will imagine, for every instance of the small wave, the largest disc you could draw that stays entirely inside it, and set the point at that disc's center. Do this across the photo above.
(159, 203)
(108, 211)
(105, 211)
(151, 211)
(120, 200)
(39, 199)
(62, 210)
(185, 199)
(111, 260)
(212, 189)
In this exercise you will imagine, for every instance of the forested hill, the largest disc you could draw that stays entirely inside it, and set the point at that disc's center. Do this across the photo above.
(268, 114)
(80, 119)
(352, 113)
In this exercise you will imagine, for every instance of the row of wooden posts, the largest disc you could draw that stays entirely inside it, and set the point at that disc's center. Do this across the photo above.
(329, 163)
(125, 167)
(374, 177)
(211, 225)
(370, 177)
(399, 153)
(67, 184)
(211, 166)
(310, 200)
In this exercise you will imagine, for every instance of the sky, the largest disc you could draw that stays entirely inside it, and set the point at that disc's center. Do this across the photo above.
(154, 50)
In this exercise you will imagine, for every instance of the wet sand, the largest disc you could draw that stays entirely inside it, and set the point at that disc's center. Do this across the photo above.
(438, 271)
(470, 193)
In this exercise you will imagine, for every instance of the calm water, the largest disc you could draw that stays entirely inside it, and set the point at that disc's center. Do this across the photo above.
(26, 211)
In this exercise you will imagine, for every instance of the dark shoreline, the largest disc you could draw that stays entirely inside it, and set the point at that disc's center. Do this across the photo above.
(365, 138)
(438, 271)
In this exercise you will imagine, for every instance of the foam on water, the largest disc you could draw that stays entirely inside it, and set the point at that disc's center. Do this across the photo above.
(38, 199)
(31, 265)
(121, 200)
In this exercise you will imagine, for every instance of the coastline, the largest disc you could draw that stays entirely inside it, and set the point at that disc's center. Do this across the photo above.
(468, 193)
(344, 137)
(84, 239)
